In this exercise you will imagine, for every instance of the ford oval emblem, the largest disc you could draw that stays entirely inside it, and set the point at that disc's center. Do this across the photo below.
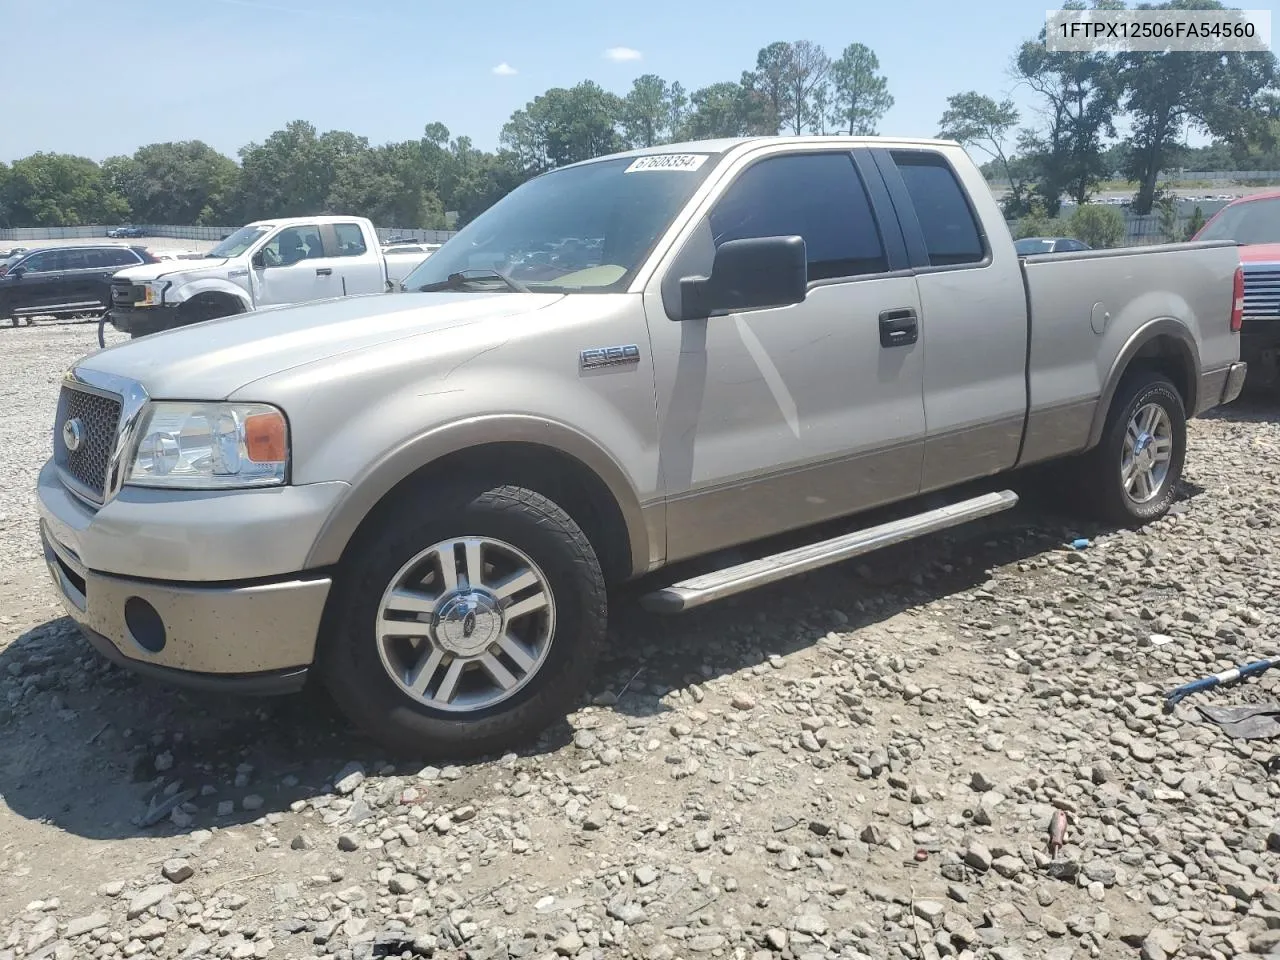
(73, 434)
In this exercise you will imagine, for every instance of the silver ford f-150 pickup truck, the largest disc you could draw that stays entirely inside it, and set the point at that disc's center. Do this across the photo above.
(632, 361)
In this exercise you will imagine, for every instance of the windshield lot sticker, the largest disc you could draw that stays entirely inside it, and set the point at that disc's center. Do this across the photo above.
(687, 162)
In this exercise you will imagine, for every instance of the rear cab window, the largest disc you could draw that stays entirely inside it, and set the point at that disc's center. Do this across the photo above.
(952, 235)
(350, 240)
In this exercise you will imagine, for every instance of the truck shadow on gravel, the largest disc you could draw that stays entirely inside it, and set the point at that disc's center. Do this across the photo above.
(90, 749)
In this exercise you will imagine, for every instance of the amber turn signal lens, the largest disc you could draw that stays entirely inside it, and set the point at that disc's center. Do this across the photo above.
(266, 438)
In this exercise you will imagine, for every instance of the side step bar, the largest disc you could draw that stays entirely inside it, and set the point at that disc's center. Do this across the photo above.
(694, 592)
(50, 309)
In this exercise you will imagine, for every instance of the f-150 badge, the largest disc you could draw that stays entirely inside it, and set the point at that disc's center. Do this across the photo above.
(610, 356)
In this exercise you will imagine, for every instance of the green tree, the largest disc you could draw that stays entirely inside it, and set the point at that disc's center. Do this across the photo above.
(1168, 210)
(980, 123)
(1164, 93)
(1079, 94)
(859, 94)
(772, 79)
(730, 109)
(1037, 223)
(651, 111)
(58, 189)
(807, 69)
(1194, 223)
(1098, 225)
(564, 126)
(291, 173)
(180, 183)
(4, 209)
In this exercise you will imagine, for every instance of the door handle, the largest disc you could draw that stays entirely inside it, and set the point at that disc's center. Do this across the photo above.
(899, 328)
(323, 271)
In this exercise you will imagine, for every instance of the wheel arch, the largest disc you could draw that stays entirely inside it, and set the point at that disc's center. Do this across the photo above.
(217, 298)
(1163, 344)
(550, 458)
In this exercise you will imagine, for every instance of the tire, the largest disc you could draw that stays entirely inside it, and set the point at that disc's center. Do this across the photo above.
(357, 658)
(1101, 474)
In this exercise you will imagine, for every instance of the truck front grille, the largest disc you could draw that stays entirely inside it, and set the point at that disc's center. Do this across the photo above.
(1262, 292)
(125, 294)
(90, 422)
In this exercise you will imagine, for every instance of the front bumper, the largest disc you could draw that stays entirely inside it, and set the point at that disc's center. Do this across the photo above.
(189, 586)
(139, 323)
(251, 638)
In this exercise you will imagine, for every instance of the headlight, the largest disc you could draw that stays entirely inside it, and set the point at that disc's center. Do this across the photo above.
(211, 446)
(153, 292)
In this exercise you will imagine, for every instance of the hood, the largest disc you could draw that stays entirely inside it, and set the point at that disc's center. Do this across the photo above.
(1260, 253)
(154, 271)
(211, 360)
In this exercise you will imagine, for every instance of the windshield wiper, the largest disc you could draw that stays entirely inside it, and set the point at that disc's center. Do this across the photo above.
(459, 280)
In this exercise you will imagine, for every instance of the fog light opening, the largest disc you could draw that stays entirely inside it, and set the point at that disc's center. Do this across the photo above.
(144, 625)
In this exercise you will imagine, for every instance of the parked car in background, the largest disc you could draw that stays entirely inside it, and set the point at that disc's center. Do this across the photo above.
(269, 263)
(1254, 223)
(125, 231)
(64, 281)
(1030, 246)
(11, 252)
(624, 363)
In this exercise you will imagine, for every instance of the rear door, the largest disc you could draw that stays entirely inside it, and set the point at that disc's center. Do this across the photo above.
(973, 315)
(358, 267)
(296, 268)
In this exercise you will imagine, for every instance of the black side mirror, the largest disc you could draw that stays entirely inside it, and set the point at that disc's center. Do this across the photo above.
(752, 274)
(17, 272)
(259, 260)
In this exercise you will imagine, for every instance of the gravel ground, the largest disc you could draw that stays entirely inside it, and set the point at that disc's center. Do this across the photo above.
(861, 763)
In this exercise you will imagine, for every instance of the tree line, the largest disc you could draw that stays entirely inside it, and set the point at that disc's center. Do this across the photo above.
(1067, 145)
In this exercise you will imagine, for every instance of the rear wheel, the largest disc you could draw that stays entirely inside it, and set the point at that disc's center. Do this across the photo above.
(467, 628)
(1131, 477)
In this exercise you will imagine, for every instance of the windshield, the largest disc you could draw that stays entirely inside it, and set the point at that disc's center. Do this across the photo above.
(581, 229)
(1255, 221)
(238, 242)
(1033, 245)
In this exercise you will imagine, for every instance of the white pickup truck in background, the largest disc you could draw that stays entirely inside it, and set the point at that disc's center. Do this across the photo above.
(265, 264)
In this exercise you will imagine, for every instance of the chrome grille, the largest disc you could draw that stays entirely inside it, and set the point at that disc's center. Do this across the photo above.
(1262, 292)
(99, 420)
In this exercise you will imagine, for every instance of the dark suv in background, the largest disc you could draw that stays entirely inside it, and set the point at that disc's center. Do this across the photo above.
(64, 281)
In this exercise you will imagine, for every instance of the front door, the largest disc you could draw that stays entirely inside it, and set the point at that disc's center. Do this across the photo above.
(40, 282)
(295, 268)
(775, 419)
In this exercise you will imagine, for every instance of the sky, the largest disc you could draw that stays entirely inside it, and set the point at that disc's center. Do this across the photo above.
(99, 78)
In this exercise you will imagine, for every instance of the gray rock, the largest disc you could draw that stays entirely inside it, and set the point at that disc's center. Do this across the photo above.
(348, 778)
(811, 924)
(568, 945)
(626, 911)
(348, 843)
(82, 925)
(177, 870)
(146, 899)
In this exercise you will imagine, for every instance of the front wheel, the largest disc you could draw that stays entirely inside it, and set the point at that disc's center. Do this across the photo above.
(1131, 477)
(464, 623)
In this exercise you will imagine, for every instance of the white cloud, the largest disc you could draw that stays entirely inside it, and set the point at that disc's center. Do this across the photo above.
(622, 54)
(505, 69)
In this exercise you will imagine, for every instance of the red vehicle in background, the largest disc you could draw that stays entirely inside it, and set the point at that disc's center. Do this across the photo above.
(1254, 223)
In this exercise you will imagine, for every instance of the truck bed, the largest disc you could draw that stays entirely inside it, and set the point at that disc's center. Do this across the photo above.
(1084, 306)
